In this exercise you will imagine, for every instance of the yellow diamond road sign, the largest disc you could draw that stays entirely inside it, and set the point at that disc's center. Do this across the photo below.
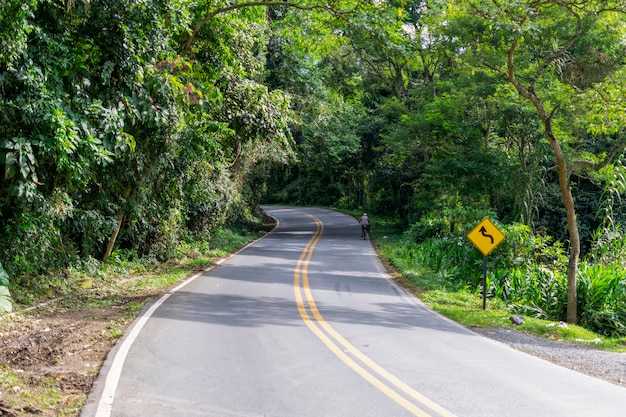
(486, 236)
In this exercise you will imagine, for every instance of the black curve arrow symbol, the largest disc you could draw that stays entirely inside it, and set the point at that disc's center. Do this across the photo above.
(483, 232)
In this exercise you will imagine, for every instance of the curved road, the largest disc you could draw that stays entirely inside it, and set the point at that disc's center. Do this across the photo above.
(306, 323)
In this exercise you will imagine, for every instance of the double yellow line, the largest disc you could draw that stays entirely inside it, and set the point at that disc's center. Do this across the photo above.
(373, 373)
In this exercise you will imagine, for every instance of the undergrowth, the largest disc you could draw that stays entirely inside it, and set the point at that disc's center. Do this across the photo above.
(110, 278)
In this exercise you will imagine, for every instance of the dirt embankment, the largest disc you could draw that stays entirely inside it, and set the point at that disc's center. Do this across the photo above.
(51, 355)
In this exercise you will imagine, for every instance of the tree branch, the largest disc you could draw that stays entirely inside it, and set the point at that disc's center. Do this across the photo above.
(619, 146)
(211, 14)
(559, 53)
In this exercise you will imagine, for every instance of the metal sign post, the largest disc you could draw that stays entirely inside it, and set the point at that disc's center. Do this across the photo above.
(485, 236)
(484, 282)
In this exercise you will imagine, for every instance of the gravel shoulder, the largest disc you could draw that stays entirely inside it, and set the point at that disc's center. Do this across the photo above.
(609, 366)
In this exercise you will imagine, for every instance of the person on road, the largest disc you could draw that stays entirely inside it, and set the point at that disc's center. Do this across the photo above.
(365, 224)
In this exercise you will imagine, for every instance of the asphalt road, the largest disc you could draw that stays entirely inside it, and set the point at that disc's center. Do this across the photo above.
(306, 323)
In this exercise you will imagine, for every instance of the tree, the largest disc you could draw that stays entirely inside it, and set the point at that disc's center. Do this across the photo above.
(98, 112)
(566, 59)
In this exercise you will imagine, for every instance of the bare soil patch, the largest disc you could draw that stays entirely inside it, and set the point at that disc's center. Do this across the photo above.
(59, 349)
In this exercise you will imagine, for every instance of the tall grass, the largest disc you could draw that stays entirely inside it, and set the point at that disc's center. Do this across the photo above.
(532, 290)
(527, 271)
(602, 298)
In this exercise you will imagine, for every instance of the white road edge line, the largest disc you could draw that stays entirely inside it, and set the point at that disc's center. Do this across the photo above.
(105, 404)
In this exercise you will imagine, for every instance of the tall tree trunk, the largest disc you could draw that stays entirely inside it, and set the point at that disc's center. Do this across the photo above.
(111, 242)
(565, 168)
(572, 226)
(564, 183)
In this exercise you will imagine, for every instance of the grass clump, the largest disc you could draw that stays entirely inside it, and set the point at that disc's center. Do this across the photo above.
(466, 309)
(43, 396)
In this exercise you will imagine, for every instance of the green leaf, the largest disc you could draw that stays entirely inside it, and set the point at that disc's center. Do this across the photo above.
(5, 300)
(9, 166)
(4, 277)
(5, 296)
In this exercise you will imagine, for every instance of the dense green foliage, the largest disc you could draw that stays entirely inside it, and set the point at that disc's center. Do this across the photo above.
(476, 108)
(138, 127)
(112, 139)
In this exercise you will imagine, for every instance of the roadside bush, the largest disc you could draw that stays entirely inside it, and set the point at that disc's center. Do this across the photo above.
(451, 222)
(90, 229)
(602, 298)
(31, 240)
(609, 246)
(534, 290)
